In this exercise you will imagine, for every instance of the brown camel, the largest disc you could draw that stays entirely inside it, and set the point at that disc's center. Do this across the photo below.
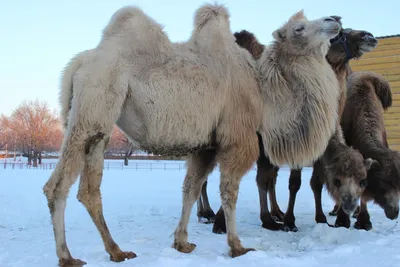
(344, 162)
(205, 98)
(368, 96)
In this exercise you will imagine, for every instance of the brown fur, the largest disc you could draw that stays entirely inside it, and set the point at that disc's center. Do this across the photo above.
(368, 95)
(343, 163)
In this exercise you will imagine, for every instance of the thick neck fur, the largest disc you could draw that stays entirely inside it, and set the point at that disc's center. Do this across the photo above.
(304, 91)
(342, 69)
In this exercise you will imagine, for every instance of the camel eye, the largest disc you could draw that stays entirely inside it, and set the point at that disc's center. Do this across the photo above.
(364, 183)
(336, 182)
(299, 29)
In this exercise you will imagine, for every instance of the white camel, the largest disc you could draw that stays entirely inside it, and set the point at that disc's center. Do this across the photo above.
(204, 98)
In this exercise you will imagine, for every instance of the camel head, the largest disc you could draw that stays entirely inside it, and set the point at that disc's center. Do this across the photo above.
(299, 36)
(350, 43)
(347, 178)
(384, 183)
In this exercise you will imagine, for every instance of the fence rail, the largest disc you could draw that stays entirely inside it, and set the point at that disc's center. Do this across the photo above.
(166, 166)
(107, 166)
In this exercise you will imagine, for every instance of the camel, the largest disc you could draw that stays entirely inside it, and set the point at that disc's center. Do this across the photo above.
(344, 162)
(368, 96)
(204, 98)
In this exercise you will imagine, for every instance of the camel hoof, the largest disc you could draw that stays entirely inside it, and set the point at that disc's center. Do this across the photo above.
(206, 220)
(290, 227)
(184, 248)
(239, 252)
(332, 213)
(277, 216)
(342, 224)
(206, 217)
(219, 228)
(271, 225)
(321, 218)
(122, 256)
(363, 225)
(71, 262)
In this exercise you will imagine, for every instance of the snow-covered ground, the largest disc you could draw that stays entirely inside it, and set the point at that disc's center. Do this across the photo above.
(142, 210)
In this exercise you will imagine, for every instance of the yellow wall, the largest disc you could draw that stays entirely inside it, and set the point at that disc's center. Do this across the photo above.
(385, 60)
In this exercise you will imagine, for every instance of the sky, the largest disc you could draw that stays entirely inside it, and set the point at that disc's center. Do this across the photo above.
(39, 37)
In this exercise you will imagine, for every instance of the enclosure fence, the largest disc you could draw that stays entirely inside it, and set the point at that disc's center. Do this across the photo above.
(107, 166)
(176, 166)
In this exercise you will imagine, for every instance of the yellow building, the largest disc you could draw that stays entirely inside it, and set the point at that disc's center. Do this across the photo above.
(385, 60)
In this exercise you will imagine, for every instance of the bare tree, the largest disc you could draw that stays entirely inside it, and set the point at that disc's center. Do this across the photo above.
(34, 127)
(3, 132)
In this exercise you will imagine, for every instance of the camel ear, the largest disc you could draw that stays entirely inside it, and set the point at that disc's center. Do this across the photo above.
(368, 163)
(279, 35)
(297, 16)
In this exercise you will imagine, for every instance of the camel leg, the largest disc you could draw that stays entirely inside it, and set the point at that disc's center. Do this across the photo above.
(219, 226)
(316, 186)
(342, 219)
(56, 190)
(356, 212)
(90, 196)
(200, 208)
(335, 210)
(204, 212)
(266, 175)
(199, 166)
(276, 212)
(363, 219)
(234, 163)
(89, 126)
(294, 186)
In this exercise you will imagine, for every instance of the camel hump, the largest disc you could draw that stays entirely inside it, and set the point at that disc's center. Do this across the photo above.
(207, 12)
(128, 19)
(371, 79)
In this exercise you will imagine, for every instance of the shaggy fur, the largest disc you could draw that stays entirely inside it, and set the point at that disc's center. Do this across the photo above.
(369, 95)
(344, 163)
(292, 86)
(201, 98)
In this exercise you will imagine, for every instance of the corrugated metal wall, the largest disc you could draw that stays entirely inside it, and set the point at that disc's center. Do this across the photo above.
(385, 60)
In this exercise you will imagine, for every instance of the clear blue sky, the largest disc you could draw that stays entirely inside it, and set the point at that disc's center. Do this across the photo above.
(39, 37)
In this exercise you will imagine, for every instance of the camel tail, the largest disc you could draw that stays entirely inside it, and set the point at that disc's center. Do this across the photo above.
(66, 92)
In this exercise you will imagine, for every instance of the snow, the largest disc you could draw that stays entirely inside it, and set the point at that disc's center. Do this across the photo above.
(142, 209)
